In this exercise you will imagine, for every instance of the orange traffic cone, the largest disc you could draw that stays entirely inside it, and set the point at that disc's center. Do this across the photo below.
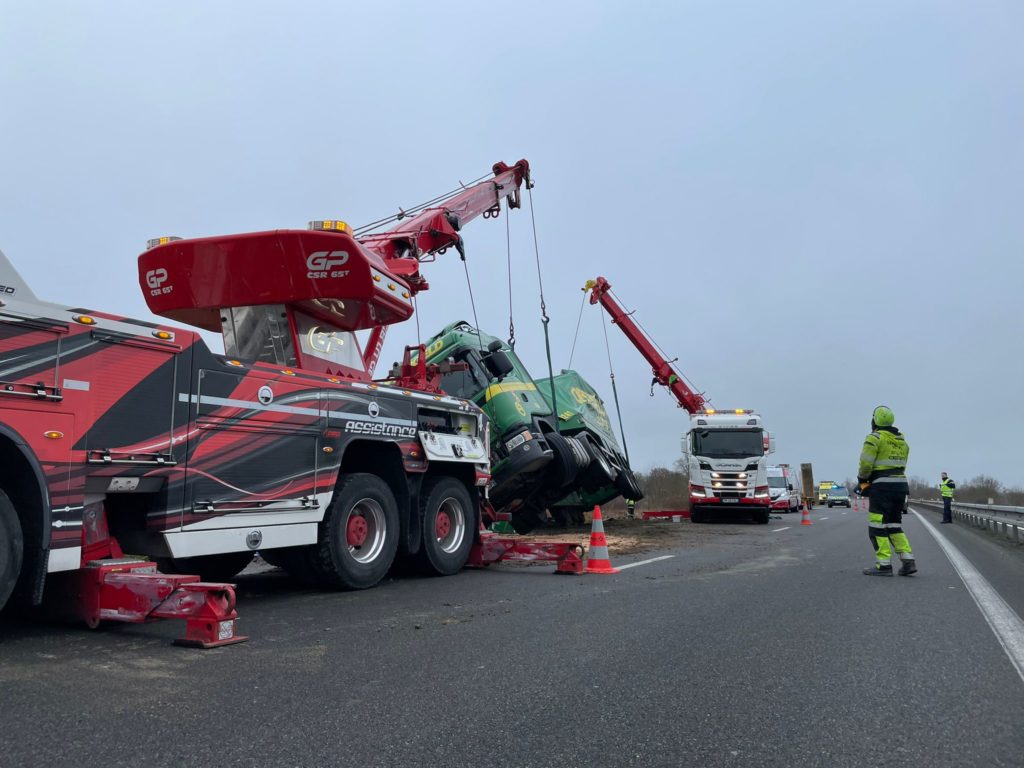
(597, 556)
(807, 516)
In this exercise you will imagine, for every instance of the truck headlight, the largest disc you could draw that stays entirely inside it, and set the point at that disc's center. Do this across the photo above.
(515, 442)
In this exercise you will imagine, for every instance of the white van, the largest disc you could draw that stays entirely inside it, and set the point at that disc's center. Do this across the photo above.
(783, 488)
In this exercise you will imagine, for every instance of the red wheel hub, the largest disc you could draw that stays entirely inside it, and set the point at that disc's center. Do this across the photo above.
(443, 526)
(357, 530)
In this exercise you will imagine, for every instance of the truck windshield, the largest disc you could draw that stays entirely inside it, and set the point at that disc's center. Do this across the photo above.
(465, 384)
(728, 443)
(776, 482)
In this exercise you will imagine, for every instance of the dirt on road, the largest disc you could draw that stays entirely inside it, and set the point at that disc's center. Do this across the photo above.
(628, 537)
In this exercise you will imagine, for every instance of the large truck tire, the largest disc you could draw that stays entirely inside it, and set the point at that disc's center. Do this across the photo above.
(297, 562)
(569, 458)
(12, 546)
(600, 471)
(359, 533)
(566, 517)
(762, 516)
(527, 518)
(626, 484)
(697, 516)
(449, 526)
(221, 568)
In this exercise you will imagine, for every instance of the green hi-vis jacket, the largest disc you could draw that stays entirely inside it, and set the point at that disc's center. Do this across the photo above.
(883, 460)
(946, 488)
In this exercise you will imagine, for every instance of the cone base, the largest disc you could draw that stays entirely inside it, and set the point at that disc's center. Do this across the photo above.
(601, 568)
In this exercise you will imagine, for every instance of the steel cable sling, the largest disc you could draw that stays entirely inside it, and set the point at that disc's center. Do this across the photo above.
(543, 311)
(615, 390)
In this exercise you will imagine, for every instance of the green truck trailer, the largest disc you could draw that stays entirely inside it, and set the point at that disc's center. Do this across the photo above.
(539, 462)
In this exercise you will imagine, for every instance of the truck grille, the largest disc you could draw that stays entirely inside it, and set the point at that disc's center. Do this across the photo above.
(729, 485)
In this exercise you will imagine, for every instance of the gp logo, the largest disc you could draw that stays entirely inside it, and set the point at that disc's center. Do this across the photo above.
(325, 264)
(155, 279)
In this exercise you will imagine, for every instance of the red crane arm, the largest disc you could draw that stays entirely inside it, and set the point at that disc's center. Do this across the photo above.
(437, 228)
(664, 373)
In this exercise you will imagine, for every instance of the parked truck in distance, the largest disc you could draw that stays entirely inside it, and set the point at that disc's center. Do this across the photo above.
(727, 458)
(783, 487)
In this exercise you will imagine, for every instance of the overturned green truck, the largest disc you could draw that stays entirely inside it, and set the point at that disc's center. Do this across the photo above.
(539, 462)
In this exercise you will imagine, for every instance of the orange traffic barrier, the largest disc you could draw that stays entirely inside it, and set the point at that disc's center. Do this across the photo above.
(807, 516)
(597, 555)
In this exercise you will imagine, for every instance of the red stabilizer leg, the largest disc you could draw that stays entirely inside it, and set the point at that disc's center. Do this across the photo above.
(492, 548)
(209, 613)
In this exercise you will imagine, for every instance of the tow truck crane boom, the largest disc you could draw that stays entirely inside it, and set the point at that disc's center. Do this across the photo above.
(664, 373)
(435, 229)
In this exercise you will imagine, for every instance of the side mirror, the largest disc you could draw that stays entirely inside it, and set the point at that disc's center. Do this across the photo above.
(789, 487)
(498, 363)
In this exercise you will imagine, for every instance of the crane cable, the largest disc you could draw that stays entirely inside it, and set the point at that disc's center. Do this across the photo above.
(575, 336)
(404, 212)
(615, 390)
(472, 302)
(543, 310)
(508, 256)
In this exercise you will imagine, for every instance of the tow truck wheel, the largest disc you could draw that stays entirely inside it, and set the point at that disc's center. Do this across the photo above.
(359, 533)
(223, 567)
(11, 548)
(449, 526)
(761, 517)
(696, 516)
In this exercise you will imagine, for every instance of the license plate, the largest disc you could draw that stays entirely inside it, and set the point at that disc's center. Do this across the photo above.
(730, 501)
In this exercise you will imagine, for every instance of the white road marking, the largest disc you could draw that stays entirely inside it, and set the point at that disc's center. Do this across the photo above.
(776, 530)
(644, 562)
(823, 518)
(1004, 621)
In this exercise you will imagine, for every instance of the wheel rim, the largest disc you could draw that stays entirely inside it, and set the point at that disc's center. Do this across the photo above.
(364, 530)
(450, 525)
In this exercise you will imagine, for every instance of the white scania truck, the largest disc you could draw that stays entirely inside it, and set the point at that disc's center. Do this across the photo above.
(727, 457)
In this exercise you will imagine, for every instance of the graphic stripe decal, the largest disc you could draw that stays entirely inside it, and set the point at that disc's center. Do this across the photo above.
(249, 405)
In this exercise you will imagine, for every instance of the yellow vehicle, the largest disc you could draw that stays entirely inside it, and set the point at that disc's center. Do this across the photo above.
(823, 488)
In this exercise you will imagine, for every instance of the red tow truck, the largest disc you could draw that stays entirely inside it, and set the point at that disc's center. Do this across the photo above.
(124, 436)
(726, 451)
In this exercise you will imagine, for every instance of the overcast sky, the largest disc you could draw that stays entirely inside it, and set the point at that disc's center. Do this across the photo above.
(815, 205)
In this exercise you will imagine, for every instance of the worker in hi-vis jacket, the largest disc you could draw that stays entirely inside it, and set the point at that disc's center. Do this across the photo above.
(882, 475)
(946, 486)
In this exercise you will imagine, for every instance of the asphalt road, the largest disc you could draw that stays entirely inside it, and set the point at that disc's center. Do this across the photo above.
(764, 647)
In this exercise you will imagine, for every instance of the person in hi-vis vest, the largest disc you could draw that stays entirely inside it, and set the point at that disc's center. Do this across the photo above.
(946, 486)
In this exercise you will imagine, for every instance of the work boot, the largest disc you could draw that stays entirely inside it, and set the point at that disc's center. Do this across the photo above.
(908, 568)
(878, 570)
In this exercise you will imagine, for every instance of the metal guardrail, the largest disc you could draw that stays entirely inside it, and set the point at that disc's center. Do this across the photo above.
(1004, 520)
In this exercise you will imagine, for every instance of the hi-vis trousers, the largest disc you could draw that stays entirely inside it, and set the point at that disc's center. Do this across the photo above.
(885, 525)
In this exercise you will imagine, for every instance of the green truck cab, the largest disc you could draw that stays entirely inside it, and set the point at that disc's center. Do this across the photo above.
(538, 462)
